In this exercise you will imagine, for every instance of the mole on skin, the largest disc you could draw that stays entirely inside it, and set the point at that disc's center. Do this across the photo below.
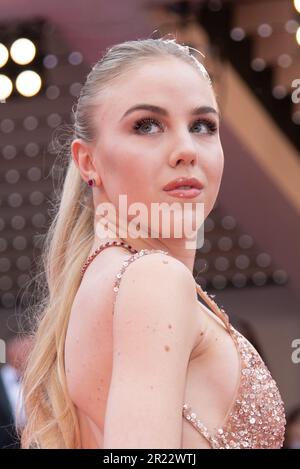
(167, 348)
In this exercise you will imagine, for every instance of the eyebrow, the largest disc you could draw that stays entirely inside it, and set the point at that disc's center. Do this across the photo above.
(164, 112)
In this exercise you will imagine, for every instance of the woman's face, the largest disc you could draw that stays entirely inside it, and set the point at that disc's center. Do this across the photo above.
(138, 158)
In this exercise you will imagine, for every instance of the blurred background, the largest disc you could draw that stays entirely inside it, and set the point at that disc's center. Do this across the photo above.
(251, 256)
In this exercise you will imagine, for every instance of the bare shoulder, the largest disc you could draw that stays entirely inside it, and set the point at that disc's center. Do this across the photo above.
(158, 283)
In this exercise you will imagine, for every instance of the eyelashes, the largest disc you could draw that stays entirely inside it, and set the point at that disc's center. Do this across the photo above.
(148, 121)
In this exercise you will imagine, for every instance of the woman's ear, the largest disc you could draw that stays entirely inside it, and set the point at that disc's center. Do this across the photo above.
(82, 156)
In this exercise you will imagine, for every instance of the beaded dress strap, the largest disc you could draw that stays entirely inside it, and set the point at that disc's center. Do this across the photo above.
(136, 254)
(191, 417)
(101, 248)
(127, 262)
(220, 312)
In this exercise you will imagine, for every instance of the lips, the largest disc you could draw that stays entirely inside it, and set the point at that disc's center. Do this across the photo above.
(184, 183)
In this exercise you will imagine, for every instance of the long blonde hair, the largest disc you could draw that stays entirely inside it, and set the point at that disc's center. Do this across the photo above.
(51, 417)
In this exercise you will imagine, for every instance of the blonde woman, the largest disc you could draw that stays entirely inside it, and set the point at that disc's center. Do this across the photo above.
(125, 355)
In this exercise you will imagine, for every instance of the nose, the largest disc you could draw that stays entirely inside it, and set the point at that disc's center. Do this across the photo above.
(184, 152)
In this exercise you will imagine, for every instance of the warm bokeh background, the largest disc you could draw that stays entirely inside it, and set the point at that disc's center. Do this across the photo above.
(251, 255)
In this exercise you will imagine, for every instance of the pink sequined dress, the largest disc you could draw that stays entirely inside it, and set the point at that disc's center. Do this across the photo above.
(256, 419)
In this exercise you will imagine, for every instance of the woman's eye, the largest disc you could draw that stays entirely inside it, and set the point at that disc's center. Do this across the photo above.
(142, 125)
(147, 122)
(209, 125)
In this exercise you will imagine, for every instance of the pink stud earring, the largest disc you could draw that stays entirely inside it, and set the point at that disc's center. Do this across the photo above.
(91, 182)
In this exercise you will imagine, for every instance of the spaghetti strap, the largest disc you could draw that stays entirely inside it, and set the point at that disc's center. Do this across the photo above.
(125, 265)
(220, 312)
(137, 254)
(214, 307)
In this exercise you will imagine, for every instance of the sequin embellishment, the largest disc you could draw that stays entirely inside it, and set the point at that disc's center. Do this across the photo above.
(257, 418)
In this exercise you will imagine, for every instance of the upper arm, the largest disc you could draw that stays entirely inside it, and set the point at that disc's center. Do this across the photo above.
(153, 336)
